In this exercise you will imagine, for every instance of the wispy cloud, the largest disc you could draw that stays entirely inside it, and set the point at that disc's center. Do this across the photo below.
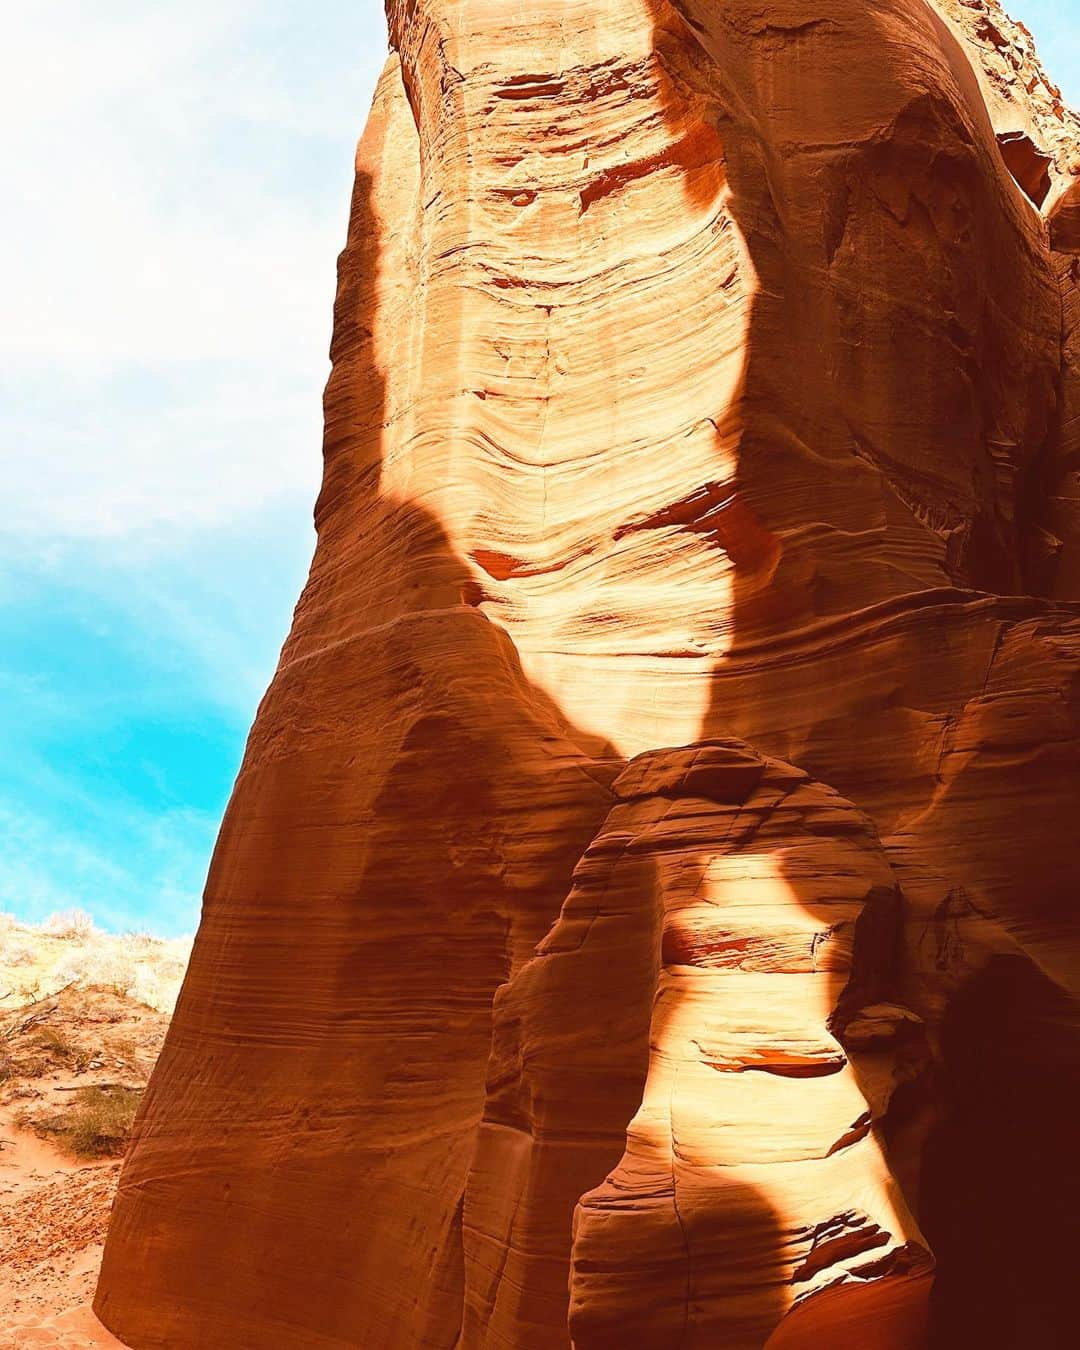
(178, 177)
(151, 867)
(176, 190)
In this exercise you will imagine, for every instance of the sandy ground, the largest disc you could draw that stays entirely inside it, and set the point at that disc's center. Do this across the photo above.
(53, 1215)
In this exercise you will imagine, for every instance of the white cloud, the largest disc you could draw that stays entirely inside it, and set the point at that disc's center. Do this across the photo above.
(43, 870)
(222, 441)
(177, 179)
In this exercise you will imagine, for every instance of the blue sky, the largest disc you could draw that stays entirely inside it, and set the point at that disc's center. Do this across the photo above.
(1055, 26)
(177, 181)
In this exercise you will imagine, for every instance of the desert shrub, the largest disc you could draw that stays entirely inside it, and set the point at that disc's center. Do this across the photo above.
(99, 968)
(68, 923)
(54, 1041)
(27, 1066)
(148, 989)
(16, 952)
(8, 924)
(158, 983)
(115, 972)
(29, 991)
(99, 1123)
(171, 969)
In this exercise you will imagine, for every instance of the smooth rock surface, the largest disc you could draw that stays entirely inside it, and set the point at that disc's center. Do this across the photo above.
(680, 724)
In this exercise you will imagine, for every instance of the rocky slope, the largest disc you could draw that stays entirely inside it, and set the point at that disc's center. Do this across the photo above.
(646, 912)
(67, 951)
(72, 1068)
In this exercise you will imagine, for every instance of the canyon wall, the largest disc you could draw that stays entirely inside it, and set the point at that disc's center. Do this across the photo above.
(646, 913)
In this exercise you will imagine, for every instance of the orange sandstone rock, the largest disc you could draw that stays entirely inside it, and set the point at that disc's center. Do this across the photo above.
(677, 729)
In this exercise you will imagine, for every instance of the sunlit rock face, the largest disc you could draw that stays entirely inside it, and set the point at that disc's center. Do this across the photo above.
(678, 729)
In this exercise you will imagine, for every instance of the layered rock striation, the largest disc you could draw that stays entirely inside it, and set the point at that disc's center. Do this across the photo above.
(666, 788)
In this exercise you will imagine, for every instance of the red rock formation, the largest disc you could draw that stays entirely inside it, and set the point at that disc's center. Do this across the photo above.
(677, 729)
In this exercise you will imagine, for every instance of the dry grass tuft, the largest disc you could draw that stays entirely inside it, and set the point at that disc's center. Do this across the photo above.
(56, 1043)
(68, 950)
(99, 1123)
(96, 1124)
(74, 1065)
(68, 923)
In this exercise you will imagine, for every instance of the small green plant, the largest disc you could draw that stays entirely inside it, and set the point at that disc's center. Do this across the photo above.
(99, 1123)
